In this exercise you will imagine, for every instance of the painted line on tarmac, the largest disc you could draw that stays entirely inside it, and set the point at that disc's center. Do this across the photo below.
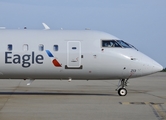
(160, 111)
(140, 103)
(157, 108)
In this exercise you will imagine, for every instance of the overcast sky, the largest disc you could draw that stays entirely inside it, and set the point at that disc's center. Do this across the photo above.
(139, 22)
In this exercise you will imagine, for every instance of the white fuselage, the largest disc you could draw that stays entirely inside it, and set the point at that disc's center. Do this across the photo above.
(63, 54)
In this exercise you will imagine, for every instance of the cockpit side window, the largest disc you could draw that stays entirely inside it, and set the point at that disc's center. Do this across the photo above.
(110, 43)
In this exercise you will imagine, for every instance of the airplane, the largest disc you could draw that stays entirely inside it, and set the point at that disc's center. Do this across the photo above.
(71, 55)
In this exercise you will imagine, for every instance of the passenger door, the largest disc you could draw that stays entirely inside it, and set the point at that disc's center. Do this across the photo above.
(73, 54)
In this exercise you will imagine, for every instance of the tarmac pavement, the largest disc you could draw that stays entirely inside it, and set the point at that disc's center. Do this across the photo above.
(83, 100)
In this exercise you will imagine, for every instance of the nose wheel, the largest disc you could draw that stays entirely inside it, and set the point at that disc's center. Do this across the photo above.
(121, 87)
(122, 92)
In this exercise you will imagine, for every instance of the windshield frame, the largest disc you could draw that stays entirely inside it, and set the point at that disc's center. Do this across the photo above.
(123, 44)
(116, 43)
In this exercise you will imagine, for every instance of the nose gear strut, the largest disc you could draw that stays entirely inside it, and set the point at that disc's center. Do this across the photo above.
(121, 87)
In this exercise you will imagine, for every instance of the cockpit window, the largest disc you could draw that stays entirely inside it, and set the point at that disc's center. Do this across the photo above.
(133, 47)
(123, 44)
(117, 43)
(126, 45)
(110, 43)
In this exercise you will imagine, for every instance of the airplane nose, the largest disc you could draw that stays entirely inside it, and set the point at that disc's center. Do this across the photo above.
(157, 67)
(142, 64)
(145, 64)
(150, 66)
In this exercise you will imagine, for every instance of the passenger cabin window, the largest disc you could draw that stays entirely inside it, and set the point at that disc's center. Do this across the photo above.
(110, 43)
(10, 47)
(25, 47)
(55, 47)
(41, 47)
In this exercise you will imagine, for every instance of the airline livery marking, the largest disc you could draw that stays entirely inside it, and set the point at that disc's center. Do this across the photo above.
(54, 61)
(26, 60)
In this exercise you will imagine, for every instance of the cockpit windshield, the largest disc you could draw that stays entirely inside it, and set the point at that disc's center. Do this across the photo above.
(116, 43)
(123, 44)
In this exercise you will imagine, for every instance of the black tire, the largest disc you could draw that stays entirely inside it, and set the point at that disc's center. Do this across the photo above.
(122, 92)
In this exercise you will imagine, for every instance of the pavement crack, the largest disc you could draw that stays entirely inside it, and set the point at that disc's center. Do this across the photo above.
(146, 92)
(156, 96)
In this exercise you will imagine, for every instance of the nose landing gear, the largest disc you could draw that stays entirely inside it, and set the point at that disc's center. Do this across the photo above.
(122, 92)
(121, 87)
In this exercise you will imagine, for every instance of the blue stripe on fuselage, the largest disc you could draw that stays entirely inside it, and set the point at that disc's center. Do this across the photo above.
(49, 53)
